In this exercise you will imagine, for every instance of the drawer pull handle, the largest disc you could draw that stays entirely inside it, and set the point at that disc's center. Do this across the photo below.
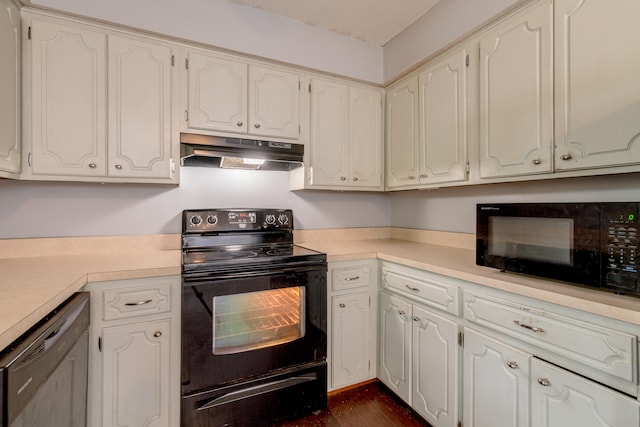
(412, 289)
(544, 382)
(342, 305)
(138, 303)
(531, 328)
(351, 279)
(158, 334)
(512, 365)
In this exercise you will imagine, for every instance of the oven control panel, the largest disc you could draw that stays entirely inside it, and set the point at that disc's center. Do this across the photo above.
(215, 220)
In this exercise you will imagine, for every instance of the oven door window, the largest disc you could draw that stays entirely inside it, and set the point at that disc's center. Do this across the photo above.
(253, 320)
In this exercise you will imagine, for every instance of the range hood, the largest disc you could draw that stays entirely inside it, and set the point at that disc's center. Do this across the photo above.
(238, 153)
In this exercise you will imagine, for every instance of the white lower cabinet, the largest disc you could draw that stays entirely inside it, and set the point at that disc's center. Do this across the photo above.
(495, 383)
(560, 398)
(134, 352)
(418, 345)
(352, 322)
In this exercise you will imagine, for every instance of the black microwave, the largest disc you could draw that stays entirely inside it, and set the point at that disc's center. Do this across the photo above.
(591, 244)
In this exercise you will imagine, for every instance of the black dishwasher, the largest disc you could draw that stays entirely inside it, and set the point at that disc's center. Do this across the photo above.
(43, 374)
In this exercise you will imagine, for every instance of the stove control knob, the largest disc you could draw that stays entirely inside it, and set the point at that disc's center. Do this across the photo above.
(195, 220)
(283, 219)
(270, 219)
(212, 219)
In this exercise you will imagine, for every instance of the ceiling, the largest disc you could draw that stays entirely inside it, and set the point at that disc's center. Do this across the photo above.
(372, 21)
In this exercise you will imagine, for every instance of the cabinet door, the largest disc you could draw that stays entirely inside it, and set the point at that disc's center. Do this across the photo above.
(597, 61)
(495, 383)
(217, 92)
(10, 101)
(329, 133)
(274, 103)
(443, 120)
(435, 368)
(516, 95)
(402, 134)
(560, 398)
(350, 338)
(395, 345)
(365, 153)
(136, 374)
(139, 108)
(68, 100)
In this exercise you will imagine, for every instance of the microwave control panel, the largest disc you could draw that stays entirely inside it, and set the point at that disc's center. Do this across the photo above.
(621, 226)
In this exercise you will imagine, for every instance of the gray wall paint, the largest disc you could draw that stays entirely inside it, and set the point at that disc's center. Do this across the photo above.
(240, 28)
(48, 209)
(445, 23)
(453, 209)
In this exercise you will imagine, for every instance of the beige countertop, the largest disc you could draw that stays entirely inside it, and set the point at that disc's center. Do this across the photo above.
(33, 281)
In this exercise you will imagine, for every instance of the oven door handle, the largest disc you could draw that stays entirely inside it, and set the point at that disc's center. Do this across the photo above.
(257, 390)
(238, 274)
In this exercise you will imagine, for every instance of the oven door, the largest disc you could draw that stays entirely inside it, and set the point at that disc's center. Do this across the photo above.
(245, 327)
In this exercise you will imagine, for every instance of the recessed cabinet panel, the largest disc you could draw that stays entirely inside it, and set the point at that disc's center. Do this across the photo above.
(139, 108)
(275, 103)
(329, 132)
(560, 399)
(350, 338)
(68, 132)
(516, 95)
(597, 86)
(10, 101)
(401, 127)
(365, 107)
(495, 383)
(395, 345)
(443, 120)
(217, 94)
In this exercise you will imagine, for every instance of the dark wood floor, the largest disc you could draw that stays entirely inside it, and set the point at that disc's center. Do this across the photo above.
(369, 405)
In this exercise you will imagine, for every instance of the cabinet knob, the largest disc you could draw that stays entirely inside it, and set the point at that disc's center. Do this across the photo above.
(92, 165)
(342, 178)
(342, 305)
(239, 123)
(257, 125)
(412, 177)
(512, 365)
(416, 319)
(424, 175)
(401, 312)
(355, 178)
(536, 161)
(566, 157)
(544, 382)
(157, 334)
(119, 167)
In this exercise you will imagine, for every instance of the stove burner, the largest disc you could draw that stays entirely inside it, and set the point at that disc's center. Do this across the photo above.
(280, 251)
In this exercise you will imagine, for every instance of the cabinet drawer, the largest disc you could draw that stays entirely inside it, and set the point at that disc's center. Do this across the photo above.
(350, 277)
(136, 301)
(608, 350)
(430, 289)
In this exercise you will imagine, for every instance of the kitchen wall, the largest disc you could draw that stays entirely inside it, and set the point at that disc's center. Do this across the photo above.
(453, 209)
(53, 209)
(240, 28)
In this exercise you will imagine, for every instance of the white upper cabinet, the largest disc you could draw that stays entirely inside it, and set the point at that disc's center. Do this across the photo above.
(401, 134)
(10, 101)
(597, 64)
(443, 120)
(139, 94)
(346, 136)
(516, 95)
(225, 95)
(100, 105)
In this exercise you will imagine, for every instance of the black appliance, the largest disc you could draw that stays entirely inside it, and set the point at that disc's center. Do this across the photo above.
(43, 374)
(591, 244)
(254, 341)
